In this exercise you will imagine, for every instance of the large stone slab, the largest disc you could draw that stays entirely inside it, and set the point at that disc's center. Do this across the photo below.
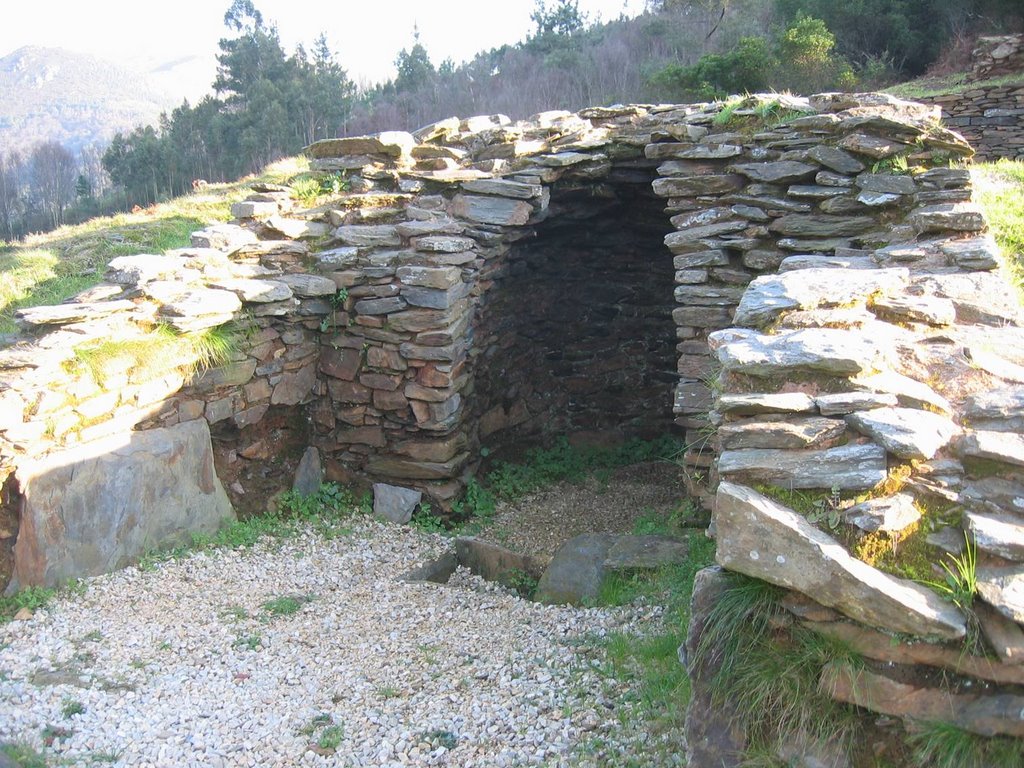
(645, 552)
(780, 433)
(102, 505)
(905, 432)
(62, 314)
(488, 209)
(995, 405)
(493, 562)
(848, 467)
(1007, 447)
(576, 571)
(391, 143)
(782, 402)
(1001, 535)
(889, 513)
(769, 296)
(832, 351)
(988, 715)
(763, 539)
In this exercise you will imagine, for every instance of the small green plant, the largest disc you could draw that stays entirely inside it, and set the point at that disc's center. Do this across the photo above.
(23, 756)
(388, 692)
(330, 737)
(306, 189)
(318, 721)
(961, 580)
(828, 511)
(71, 707)
(439, 737)
(286, 605)
(897, 165)
(251, 642)
(521, 582)
(31, 598)
(425, 520)
(337, 301)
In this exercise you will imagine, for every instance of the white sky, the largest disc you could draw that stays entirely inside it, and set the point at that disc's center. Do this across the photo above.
(366, 35)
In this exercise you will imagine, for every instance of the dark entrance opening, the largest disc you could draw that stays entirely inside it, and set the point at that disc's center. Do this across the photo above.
(576, 335)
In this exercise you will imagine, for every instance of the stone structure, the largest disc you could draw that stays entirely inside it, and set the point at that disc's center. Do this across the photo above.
(482, 281)
(991, 117)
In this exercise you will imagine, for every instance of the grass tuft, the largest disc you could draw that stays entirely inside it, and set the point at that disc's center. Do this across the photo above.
(944, 745)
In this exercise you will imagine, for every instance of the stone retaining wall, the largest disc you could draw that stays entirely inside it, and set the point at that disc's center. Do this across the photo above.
(990, 117)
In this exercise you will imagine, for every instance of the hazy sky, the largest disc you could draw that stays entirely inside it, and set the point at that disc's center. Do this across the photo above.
(366, 35)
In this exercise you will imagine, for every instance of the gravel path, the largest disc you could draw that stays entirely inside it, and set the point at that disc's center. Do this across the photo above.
(186, 665)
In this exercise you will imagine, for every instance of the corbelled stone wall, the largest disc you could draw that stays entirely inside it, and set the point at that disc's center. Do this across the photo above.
(484, 280)
(990, 117)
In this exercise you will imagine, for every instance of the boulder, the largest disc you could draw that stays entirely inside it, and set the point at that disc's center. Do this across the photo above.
(905, 432)
(764, 539)
(100, 506)
(493, 562)
(395, 503)
(576, 571)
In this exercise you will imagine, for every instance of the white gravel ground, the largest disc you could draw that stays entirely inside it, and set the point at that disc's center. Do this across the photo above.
(184, 666)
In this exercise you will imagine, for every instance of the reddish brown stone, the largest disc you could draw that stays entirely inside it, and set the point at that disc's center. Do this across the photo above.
(440, 450)
(356, 417)
(340, 363)
(371, 436)
(380, 381)
(384, 357)
(389, 401)
(348, 392)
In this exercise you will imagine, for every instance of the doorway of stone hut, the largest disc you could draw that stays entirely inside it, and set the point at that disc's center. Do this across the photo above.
(576, 337)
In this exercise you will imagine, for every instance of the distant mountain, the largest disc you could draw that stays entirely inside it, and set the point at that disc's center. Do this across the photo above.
(77, 99)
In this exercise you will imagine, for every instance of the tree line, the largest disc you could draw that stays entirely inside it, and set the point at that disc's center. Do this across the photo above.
(268, 104)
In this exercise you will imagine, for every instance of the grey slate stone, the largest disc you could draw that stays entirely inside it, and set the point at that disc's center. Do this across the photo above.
(1000, 535)
(786, 402)
(576, 571)
(1006, 447)
(395, 503)
(645, 552)
(1003, 589)
(309, 474)
(906, 432)
(891, 514)
(826, 350)
(779, 433)
(841, 403)
(763, 539)
(847, 467)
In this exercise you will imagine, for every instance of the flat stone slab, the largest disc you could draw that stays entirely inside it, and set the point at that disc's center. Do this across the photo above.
(576, 571)
(994, 494)
(1003, 589)
(494, 562)
(797, 433)
(761, 538)
(787, 402)
(62, 314)
(995, 405)
(848, 467)
(255, 291)
(1001, 535)
(224, 237)
(309, 285)
(987, 715)
(909, 392)
(826, 350)
(488, 209)
(931, 310)
(905, 432)
(390, 143)
(436, 571)
(395, 503)
(1007, 447)
(1006, 637)
(645, 552)
(891, 514)
(143, 268)
(842, 403)
(770, 295)
(100, 506)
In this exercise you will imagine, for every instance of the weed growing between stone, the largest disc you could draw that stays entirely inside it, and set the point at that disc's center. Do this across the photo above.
(767, 669)
(943, 745)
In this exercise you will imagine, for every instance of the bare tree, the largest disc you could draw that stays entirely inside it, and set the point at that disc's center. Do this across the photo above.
(12, 198)
(54, 173)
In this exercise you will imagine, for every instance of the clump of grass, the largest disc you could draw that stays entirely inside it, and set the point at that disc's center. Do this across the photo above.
(71, 707)
(768, 673)
(32, 598)
(285, 605)
(944, 745)
(999, 190)
(159, 351)
(23, 755)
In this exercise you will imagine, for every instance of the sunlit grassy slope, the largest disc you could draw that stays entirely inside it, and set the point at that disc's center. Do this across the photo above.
(51, 267)
(999, 190)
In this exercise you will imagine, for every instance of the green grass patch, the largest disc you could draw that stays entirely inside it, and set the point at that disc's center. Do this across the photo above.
(23, 756)
(561, 461)
(944, 745)
(285, 605)
(926, 87)
(158, 351)
(999, 190)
